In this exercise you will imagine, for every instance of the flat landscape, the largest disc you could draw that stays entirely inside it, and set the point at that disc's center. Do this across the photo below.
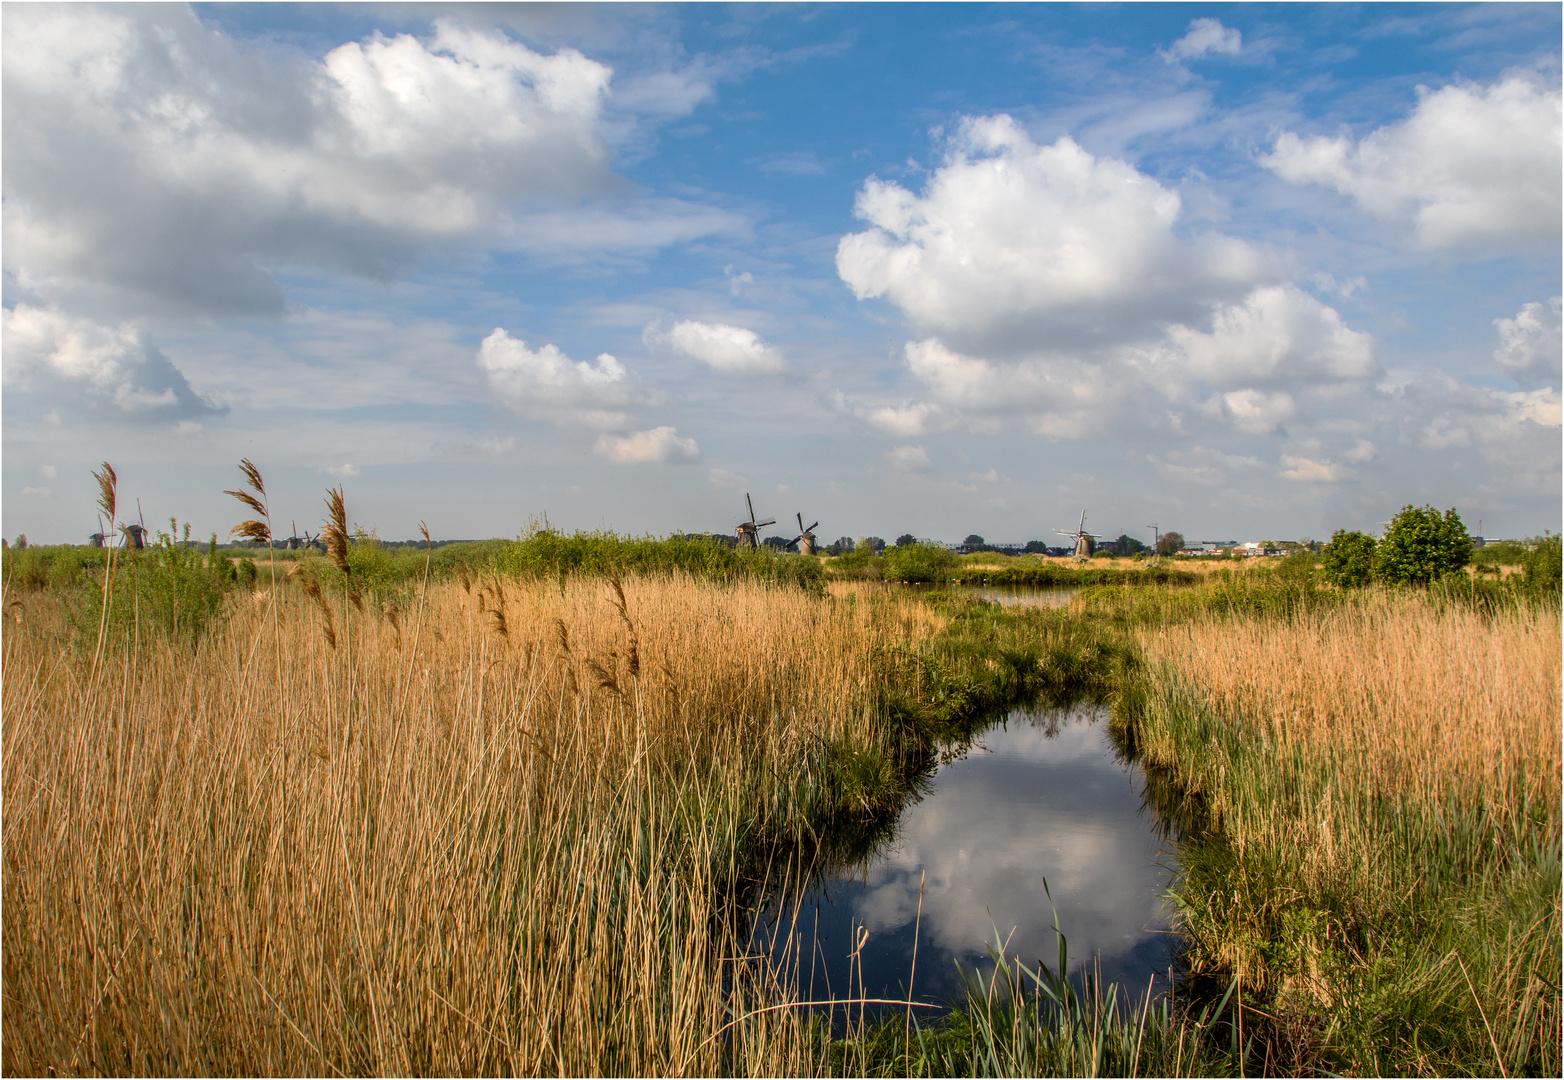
(804, 539)
(502, 809)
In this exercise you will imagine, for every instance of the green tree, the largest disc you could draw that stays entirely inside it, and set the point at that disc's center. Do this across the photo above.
(906, 538)
(1170, 543)
(1422, 546)
(974, 541)
(1544, 563)
(919, 562)
(1348, 560)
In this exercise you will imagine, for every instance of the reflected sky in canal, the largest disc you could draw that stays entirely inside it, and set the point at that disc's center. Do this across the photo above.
(1022, 596)
(1042, 798)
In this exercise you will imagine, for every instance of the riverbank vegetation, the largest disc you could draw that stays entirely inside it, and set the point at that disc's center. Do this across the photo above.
(488, 834)
(501, 807)
(1377, 857)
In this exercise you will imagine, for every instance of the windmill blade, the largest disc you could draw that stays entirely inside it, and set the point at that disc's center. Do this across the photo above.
(751, 504)
(763, 524)
(801, 529)
(812, 527)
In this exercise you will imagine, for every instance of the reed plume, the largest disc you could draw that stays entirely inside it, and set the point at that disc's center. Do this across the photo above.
(108, 482)
(258, 531)
(624, 614)
(108, 486)
(335, 534)
(312, 589)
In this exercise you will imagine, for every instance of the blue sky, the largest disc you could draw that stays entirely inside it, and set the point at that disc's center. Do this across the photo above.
(1246, 272)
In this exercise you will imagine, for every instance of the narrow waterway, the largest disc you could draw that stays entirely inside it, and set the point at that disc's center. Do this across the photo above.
(1040, 798)
(1021, 595)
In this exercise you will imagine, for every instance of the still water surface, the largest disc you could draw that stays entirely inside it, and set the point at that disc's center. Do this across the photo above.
(1040, 797)
(1022, 595)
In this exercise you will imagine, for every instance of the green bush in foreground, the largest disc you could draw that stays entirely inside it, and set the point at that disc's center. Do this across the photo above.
(1421, 547)
(1348, 560)
(919, 562)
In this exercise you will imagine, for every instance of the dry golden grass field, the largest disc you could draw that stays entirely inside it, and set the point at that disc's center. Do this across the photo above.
(485, 837)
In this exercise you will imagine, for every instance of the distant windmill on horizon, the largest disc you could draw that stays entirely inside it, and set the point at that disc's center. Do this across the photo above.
(749, 531)
(805, 540)
(1085, 542)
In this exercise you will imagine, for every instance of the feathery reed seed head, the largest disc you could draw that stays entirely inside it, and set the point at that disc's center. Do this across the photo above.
(252, 476)
(335, 533)
(107, 483)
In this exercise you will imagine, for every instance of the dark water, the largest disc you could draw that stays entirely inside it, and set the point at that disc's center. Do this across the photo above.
(1021, 595)
(1039, 798)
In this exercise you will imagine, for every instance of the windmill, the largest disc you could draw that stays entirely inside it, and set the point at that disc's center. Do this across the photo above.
(135, 535)
(1085, 542)
(749, 531)
(805, 540)
(100, 536)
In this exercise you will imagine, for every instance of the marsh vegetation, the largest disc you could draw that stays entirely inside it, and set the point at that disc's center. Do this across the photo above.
(501, 810)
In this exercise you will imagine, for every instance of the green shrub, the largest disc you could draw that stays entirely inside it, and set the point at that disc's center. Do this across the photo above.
(1348, 560)
(919, 562)
(1542, 565)
(1421, 547)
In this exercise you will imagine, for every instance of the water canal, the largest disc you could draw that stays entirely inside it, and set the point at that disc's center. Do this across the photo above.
(1040, 797)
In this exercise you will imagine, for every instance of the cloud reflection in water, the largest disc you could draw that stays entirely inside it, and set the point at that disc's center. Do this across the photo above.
(1025, 806)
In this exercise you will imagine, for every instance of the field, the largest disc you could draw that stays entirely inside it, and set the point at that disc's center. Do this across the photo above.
(491, 836)
(500, 810)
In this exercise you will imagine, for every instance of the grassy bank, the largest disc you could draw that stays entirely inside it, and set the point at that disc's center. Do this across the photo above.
(1375, 787)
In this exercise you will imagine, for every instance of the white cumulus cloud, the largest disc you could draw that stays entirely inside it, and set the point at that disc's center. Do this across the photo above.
(1279, 334)
(153, 159)
(1206, 36)
(1053, 288)
(1530, 345)
(660, 444)
(114, 369)
(1470, 164)
(903, 421)
(547, 385)
(732, 350)
(1010, 240)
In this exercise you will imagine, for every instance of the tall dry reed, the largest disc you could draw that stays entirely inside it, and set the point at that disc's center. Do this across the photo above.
(1433, 707)
(503, 841)
(1384, 777)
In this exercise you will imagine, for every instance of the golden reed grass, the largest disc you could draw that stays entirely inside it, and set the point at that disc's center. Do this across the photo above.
(1389, 767)
(496, 840)
(1428, 704)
